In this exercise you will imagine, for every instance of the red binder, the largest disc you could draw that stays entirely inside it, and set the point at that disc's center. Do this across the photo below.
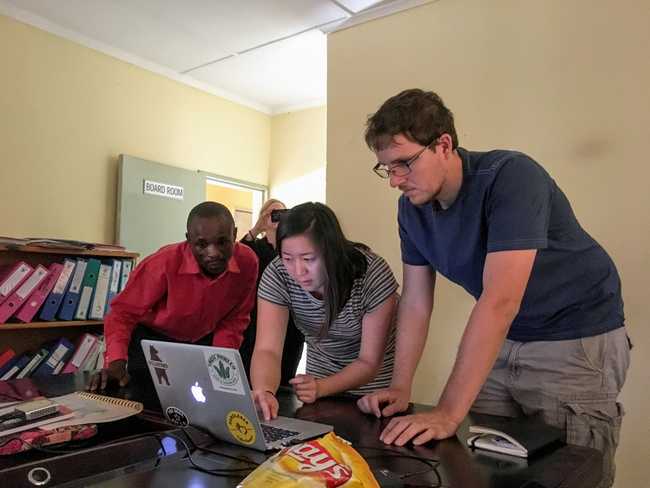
(31, 306)
(12, 278)
(22, 293)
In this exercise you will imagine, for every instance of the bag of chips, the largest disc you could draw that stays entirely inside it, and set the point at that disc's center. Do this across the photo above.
(327, 462)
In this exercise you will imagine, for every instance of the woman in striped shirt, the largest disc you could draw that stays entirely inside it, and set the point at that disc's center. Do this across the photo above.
(341, 296)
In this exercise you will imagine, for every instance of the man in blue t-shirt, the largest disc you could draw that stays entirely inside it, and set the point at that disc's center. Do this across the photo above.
(546, 335)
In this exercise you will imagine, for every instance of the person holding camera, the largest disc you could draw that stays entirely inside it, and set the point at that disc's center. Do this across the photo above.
(265, 249)
(341, 296)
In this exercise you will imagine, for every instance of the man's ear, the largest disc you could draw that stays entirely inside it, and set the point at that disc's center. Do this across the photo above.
(187, 236)
(234, 233)
(445, 143)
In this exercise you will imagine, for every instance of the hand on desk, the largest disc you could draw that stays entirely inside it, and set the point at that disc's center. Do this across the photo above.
(266, 403)
(116, 371)
(397, 400)
(421, 427)
(306, 388)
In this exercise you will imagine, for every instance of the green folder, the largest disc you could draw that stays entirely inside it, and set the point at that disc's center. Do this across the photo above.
(87, 287)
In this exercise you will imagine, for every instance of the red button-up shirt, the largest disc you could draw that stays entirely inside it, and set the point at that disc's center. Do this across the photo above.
(168, 292)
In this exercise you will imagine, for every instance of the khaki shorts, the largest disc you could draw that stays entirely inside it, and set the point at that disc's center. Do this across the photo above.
(572, 384)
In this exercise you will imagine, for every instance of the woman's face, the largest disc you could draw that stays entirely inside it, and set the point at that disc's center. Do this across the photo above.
(304, 263)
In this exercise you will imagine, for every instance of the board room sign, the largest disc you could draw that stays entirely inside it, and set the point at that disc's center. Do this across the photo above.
(163, 190)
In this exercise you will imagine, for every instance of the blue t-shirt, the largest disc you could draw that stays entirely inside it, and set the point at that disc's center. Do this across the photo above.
(507, 201)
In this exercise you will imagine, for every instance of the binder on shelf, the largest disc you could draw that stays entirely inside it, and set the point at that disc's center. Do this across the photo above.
(34, 362)
(22, 293)
(90, 362)
(15, 366)
(102, 351)
(114, 285)
(127, 264)
(54, 299)
(12, 278)
(9, 358)
(60, 351)
(84, 346)
(71, 298)
(98, 302)
(6, 356)
(87, 288)
(31, 306)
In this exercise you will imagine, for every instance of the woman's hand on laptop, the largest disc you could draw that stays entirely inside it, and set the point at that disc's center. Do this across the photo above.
(116, 371)
(266, 403)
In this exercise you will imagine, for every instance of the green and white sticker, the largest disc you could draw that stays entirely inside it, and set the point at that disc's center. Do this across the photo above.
(224, 373)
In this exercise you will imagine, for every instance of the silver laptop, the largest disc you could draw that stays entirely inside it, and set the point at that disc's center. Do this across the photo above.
(207, 387)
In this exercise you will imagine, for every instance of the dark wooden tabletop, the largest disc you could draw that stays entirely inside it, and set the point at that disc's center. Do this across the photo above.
(130, 453)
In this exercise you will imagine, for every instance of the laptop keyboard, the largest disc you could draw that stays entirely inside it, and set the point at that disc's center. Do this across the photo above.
(272, 434)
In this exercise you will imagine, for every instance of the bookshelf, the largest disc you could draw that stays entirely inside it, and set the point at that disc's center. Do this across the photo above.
(22, 337)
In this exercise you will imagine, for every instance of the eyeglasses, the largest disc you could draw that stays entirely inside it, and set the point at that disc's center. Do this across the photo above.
(400, 168)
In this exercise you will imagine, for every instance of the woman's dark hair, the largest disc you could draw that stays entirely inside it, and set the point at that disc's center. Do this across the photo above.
(342, 259)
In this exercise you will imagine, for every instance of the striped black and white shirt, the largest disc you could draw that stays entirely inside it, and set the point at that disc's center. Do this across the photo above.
(327, 356)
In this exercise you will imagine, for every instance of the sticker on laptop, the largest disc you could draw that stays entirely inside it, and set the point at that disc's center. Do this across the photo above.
(176, 416)
(240, 427)
(159, 367)
(224, 374)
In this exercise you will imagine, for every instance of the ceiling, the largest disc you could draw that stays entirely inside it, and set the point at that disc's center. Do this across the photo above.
(267, 54)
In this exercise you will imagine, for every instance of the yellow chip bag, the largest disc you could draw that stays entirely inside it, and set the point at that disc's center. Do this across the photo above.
(328, 462)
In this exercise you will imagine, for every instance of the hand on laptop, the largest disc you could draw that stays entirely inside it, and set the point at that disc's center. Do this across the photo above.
(397, 400)
(266, 403)
(116, 371)
(306, 388)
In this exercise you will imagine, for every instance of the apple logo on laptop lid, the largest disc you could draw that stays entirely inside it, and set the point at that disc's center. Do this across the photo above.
(197, 392)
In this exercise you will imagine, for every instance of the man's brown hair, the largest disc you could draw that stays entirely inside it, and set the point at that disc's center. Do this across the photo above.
(420, 115)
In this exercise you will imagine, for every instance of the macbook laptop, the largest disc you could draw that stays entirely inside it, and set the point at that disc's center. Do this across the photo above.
(207, 387)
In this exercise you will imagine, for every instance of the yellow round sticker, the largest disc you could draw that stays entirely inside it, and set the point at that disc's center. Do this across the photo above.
(240, 427)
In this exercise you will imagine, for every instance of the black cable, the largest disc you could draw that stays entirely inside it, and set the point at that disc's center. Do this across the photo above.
(212, 451)
(225, 472)
(432, 464)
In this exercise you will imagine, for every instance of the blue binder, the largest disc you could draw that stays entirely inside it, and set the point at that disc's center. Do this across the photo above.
(71, 299)
(53, 302)
(16, 366)
(61, 350)
(114, 285)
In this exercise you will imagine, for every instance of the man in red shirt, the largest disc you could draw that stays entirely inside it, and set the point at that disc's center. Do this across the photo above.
(198, 291)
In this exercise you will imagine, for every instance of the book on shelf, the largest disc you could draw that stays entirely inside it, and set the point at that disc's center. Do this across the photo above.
(55, 297)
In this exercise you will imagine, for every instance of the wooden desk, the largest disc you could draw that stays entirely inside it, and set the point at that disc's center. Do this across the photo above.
(136, 462)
